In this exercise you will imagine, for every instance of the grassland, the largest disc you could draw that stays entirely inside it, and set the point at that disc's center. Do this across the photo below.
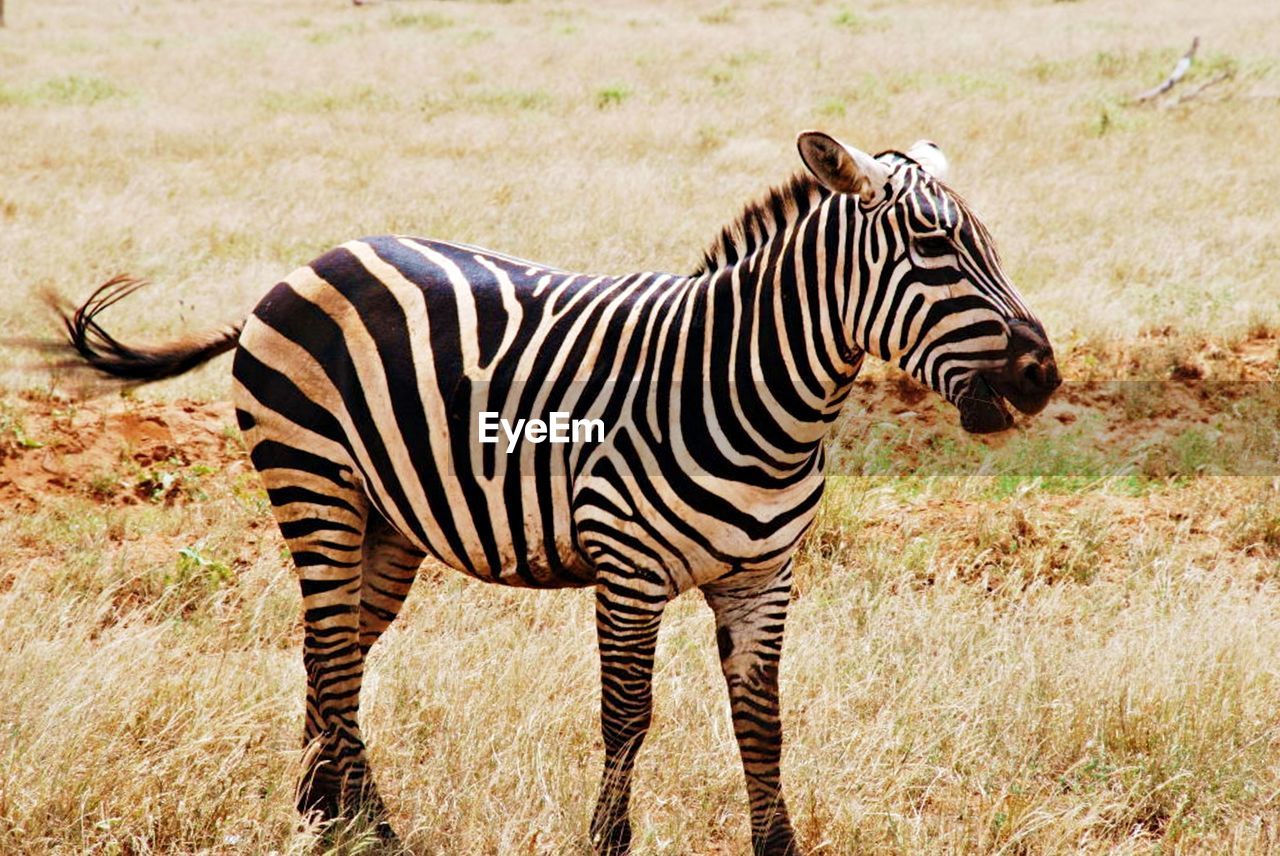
(1073, 652)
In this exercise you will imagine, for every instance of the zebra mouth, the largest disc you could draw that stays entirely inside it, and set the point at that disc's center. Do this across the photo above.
(982, 409)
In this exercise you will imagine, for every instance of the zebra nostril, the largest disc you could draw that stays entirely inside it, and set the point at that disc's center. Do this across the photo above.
(1053, 380)
(1033, 375)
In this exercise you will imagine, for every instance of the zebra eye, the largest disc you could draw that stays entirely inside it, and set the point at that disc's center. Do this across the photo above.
(933, 246)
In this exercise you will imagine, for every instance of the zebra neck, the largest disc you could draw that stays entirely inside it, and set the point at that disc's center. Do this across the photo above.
(788, 352)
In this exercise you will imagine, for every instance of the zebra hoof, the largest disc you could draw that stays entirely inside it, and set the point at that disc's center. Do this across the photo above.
(385, 833)
(317, 805)
(780, 841)
(613, 839)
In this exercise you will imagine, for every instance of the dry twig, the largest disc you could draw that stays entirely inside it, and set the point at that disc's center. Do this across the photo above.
(1195, 93)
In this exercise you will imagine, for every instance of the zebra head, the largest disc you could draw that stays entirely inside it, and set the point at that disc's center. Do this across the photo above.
(929, 292)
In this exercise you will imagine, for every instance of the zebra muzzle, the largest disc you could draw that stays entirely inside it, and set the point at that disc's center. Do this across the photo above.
(1027, 380)
(982, 409)
(1030, 375)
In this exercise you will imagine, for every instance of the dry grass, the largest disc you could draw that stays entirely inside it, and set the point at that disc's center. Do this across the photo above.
(983, 665)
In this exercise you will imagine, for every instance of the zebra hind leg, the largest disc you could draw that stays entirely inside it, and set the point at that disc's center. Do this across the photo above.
(391, 564)
(325, 530)
(750, 616)
(627, 620)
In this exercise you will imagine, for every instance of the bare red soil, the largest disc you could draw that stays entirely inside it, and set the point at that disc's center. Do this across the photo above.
(116, 450)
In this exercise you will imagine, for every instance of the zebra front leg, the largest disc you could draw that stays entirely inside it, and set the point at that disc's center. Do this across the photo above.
(750, 615)
(627, 619)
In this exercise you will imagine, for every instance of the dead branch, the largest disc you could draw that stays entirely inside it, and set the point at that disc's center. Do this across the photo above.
(1179, 71)
(1199, 90)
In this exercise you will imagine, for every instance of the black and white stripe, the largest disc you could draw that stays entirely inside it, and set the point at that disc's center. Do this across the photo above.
(359, 377)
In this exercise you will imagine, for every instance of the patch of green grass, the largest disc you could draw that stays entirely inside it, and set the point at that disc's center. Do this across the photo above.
(724, 72)
(1136, 66)
(104, 485)
(720, 75)
(850, 19)
(73, 90)
(1256, 527)
(1212, 64)
(1043, 70)
(961, 83)
(419, 20)
(720, 15)
(1197, 451)
(334, 34)
(1018, 484)
(13, 432)
(832, 108)
(195, 568)
(502, 101)
(611, 96)
(476, 36)
(365, 98)
(513, 99)
(170, 480)
(1109, 116)
(66, 524)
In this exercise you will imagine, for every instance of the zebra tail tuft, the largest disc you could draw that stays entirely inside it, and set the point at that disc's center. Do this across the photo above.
(95, 348)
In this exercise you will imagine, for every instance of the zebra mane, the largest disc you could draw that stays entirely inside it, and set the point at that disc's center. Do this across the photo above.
(761, 220)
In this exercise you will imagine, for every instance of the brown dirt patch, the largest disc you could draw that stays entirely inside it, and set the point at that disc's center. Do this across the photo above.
(118, 451)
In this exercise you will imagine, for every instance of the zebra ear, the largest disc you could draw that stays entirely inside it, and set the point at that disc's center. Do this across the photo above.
(842, 168)
(930, 157)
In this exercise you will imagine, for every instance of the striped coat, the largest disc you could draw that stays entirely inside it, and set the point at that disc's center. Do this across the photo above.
(368, 385)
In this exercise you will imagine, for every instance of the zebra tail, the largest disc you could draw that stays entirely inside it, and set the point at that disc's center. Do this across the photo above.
(137, 364)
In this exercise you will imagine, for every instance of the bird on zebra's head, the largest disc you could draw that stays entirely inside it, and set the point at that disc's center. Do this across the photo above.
(369, 385)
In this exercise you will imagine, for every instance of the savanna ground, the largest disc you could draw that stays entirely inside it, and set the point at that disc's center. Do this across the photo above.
(1065, 640)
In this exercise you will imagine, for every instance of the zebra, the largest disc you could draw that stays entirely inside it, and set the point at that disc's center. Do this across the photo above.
(358, 377)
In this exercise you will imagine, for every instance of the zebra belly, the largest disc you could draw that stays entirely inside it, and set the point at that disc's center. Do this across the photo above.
(499, 538)
(640, 520)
